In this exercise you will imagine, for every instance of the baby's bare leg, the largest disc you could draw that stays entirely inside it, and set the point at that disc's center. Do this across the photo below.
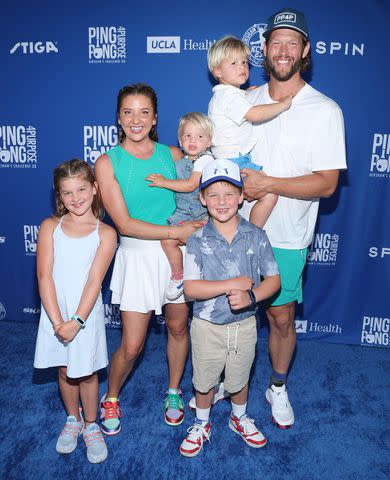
(173, 252)
(262, 209)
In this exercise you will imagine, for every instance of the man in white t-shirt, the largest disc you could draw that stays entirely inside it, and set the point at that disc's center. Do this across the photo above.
(302, 151)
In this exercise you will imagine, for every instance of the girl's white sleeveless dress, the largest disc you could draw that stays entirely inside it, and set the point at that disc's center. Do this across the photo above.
(87, 353)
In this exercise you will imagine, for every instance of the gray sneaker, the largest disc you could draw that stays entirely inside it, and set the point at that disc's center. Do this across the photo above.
(67, 441)
(96, 447)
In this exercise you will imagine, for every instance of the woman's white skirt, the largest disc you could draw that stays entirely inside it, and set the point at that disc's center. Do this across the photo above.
(140, 277)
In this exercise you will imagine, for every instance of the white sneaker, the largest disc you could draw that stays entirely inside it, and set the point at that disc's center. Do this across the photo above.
(193, 443)
(246, 428)
(67, 441)
(219, 394)
(282, 412)
(175, 289)
(96, 447)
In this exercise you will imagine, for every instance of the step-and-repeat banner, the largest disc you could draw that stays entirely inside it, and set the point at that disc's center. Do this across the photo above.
(63, 64)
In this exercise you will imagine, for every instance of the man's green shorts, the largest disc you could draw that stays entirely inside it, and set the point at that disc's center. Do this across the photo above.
(291, 264)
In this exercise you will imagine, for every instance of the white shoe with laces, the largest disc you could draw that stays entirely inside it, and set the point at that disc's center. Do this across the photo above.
(219, 394)
(96, 447)
(282, 412)
(246, 428)
(67, 441)
(193, 443)
(175, 289)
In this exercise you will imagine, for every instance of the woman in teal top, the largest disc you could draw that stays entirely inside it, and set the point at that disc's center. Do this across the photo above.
(141, 271)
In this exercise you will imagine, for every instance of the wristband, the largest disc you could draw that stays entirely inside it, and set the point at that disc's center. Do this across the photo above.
(79, 320)
(252, 298)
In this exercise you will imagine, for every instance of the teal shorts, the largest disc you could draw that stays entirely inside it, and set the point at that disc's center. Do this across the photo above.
(291, 264)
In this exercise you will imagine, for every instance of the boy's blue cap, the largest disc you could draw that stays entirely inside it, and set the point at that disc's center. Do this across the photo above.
(287, 18)
(221, 171)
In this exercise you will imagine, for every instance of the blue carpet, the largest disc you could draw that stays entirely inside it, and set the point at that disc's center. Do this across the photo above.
(341, 397)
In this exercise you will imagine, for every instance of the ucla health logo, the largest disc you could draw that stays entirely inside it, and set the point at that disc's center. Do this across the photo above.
(3, 312)
(162, 44)
(375, 331)
(380, 155)
(253, 37)
(30, 233)
(107, 44)
(98, 139)
(301, 326)
(323, 249)
(18, 146)
(34, 48)
(112, 315)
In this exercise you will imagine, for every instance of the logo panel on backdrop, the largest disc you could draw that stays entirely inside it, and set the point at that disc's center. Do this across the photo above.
(30, 233)
(98, 139)
(3, 312)
(34, 47)
(323, 249)
(107, 44)
(253, 37)
(375, 331)
(18, 146)
(380, 156)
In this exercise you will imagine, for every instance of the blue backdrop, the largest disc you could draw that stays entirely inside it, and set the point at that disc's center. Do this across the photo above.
(62, 66)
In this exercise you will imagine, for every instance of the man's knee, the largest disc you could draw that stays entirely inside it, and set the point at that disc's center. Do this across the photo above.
(281, 319)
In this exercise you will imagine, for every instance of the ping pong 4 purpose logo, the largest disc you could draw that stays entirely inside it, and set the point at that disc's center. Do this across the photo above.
(375, 331)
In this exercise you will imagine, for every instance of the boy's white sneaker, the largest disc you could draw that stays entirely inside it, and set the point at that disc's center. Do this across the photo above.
(282, 412)
(96, 447)
(175, 289)
(67, 441)
(246, 428)
(219, 394)
(193, 443)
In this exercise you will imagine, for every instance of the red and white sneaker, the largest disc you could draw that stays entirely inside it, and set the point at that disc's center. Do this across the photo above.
(110, 414)
(246, 428)
(193, 443)
(282, 412)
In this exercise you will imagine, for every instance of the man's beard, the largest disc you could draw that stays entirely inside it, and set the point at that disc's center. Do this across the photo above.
(282, 77)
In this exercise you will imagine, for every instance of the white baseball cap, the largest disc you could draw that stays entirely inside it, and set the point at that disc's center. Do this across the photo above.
(221, 170)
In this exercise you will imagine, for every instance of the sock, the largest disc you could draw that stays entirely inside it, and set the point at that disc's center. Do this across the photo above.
(177, 275)
(238, 410)
(173, 391)
(203, 415)
(277, 379)
(112, 399)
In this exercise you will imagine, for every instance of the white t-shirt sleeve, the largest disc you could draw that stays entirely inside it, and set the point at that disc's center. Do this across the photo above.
(236, 105)
(202, 161)
(328, 141)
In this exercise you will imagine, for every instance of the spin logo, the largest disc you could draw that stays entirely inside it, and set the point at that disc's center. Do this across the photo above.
(34, 47)
(98, 139)
(107, 44)
(112, 315)
(18, 146)
(323, 249)
(30, 239)
(378, 252)
(380, 155)
(2, 240)
(3, 312)
(253, 37)
(375, 331)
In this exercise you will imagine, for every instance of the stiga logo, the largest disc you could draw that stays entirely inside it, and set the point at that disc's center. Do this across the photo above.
(30, 239)
(375, 331)
(3, 312)
(34, 47)
(301, 326)
(18, 146)
(380, 155)
(323, 249)
(162, 44)
(107, 44)
(112, 315)
(253, 37)
(98, 139)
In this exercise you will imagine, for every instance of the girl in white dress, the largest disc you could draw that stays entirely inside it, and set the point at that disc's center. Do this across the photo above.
(74, 252)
